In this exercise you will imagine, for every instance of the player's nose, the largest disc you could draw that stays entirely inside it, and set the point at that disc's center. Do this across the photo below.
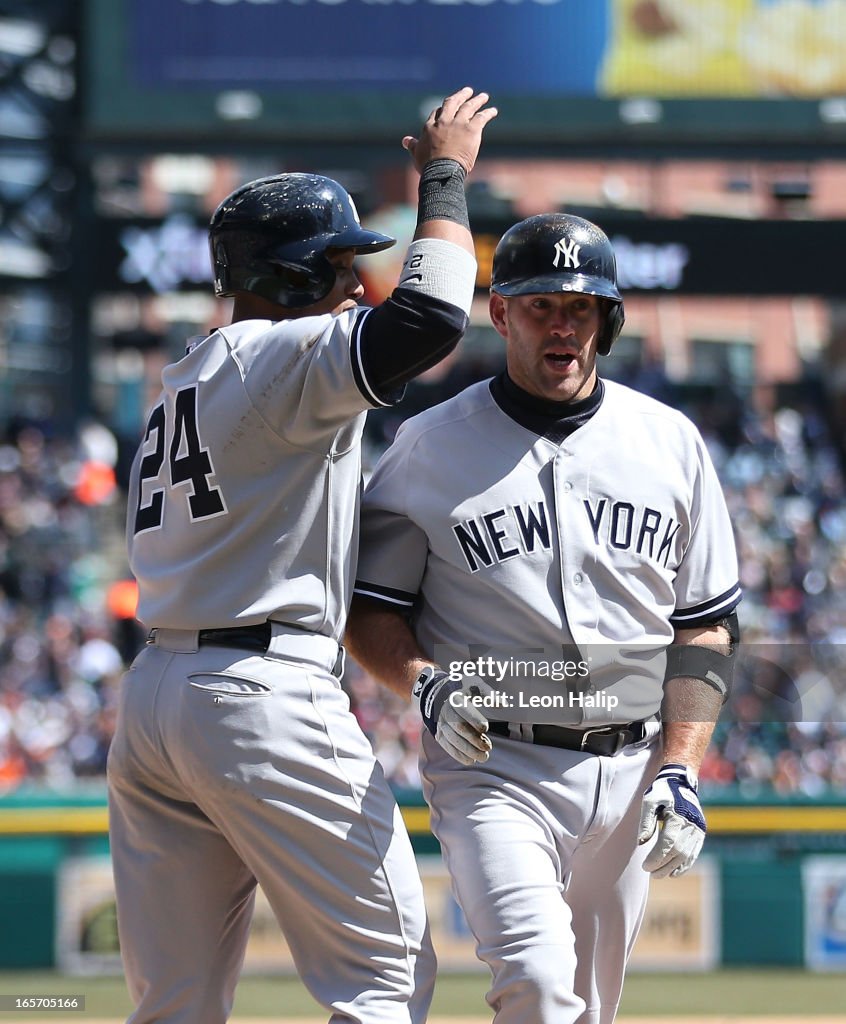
(355, 289)
(561, 323)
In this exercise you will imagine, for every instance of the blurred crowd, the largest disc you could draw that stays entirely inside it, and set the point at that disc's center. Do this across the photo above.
(67, 627)
(785, 726)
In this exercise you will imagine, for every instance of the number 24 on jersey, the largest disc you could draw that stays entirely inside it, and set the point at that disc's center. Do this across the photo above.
(189, 463)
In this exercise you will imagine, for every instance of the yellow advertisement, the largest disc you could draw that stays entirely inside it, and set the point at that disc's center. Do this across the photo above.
(725, 48)
(679, 930)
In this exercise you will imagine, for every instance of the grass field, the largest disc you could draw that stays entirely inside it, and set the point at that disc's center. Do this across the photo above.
(721, 996)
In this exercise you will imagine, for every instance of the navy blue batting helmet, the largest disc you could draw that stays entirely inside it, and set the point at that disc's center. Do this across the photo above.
(270, 237)
(559, 252)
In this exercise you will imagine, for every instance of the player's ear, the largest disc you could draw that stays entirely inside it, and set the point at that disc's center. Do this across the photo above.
(496, 306)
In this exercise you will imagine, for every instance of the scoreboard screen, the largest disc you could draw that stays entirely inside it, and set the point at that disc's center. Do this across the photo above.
(347, 70)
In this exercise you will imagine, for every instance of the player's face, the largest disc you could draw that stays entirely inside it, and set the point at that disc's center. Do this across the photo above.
(551, 342)
(347, 289)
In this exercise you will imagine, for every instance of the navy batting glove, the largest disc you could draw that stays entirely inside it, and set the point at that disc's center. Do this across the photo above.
(673, 801)
(458, 726)
(432, 688)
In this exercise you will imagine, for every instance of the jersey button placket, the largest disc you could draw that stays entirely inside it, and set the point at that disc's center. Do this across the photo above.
(570, 574)
(562, 489)
(568, 505)
(565, 495)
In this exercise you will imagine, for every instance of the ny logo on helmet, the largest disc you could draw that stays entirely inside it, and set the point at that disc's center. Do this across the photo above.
(569, 250)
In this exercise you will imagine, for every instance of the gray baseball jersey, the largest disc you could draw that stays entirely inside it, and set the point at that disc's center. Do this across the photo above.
(276, 411)
(499, 540)
(600, 546)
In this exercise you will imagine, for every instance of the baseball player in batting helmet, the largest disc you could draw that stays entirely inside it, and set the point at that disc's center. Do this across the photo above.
(236, 759)
(547, 568)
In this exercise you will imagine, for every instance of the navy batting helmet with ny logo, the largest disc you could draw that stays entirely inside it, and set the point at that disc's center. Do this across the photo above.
(559, 252)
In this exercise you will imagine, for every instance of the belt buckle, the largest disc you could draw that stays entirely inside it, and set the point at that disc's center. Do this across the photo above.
(606, 730)
(590, 732)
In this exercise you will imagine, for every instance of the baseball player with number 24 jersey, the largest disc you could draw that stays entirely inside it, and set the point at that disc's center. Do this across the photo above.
(547, 566)
(237, 760)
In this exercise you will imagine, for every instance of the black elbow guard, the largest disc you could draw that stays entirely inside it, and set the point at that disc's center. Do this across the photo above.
(712, 666)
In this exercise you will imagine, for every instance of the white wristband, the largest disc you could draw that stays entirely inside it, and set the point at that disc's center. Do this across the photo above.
(441, 269)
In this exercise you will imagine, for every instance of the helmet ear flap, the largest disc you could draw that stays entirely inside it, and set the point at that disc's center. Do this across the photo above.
(301, 284)
(612, 325)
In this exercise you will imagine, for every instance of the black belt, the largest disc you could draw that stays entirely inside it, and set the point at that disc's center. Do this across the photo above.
(608, 740)
(253, 638)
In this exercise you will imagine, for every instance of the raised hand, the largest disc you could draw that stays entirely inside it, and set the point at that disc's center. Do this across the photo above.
(453, 131)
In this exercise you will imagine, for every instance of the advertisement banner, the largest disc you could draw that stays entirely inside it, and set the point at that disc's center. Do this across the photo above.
(725, 48)
(824, 887)
(679, 930)
(693, 256)
(362, 72)
(608, 48)
(86, 935)
(327, 45)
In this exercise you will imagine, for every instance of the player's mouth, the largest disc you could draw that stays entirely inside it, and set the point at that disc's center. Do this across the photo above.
(560, 361)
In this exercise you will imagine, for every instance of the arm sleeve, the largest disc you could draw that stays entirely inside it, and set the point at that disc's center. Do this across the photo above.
(707, 583)
(393, 549)
(409, 333)
(423, 320)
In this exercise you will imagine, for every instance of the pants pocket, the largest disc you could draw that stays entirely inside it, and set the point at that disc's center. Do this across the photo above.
(229, 685)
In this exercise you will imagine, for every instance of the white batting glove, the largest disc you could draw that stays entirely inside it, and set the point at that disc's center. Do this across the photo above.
(459, 726)
(672, 799)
